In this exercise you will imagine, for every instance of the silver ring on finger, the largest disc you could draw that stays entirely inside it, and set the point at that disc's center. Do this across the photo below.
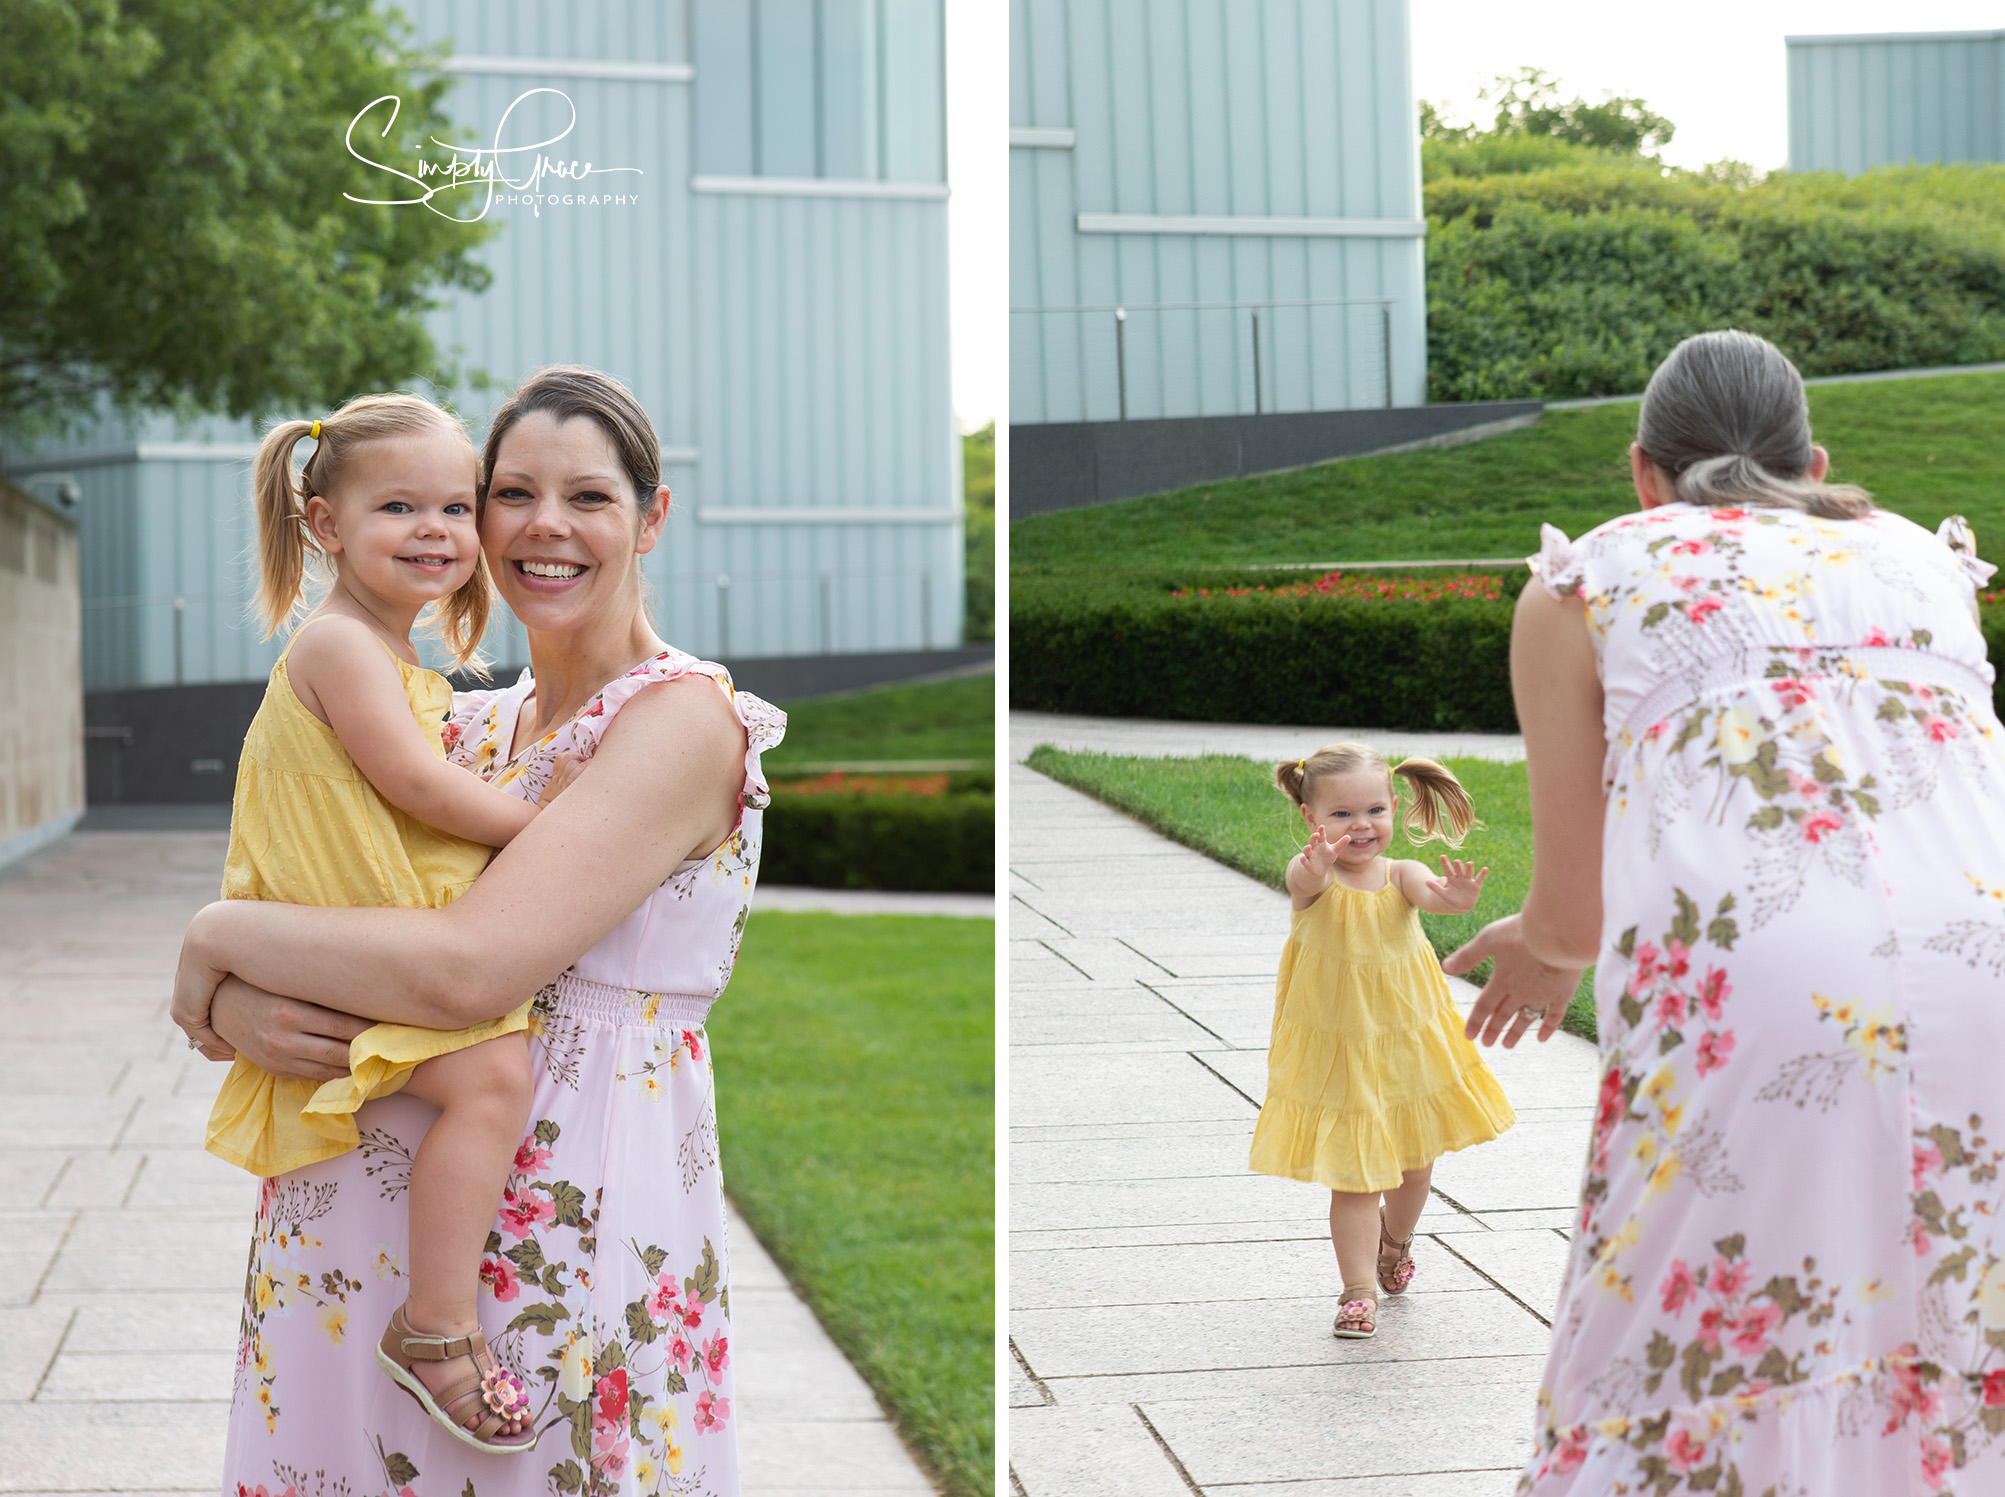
(193, 1043)
(1531, 1015)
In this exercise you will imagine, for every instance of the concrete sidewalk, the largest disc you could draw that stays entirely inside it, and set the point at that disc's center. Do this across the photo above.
(1170, 1310)
(1149, 737)
(122, 1243)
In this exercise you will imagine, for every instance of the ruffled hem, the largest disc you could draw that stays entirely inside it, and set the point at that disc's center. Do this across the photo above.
(1796, 1436)
(1559, 563)
(271, 1126)
(1363, 1152)
(1955, 533)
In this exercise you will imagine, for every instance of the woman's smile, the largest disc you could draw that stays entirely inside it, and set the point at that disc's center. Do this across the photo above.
(547, 576)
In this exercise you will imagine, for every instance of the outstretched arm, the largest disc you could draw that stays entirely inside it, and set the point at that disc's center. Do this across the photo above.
(1454, 893)
(1541, 951)
(663, 786)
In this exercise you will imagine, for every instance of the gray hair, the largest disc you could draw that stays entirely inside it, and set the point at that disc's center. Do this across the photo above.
(1725, 417)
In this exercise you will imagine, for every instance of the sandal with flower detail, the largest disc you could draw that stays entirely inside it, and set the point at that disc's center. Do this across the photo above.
(472, 1408)
(1357, 1316)
(1395, 1276)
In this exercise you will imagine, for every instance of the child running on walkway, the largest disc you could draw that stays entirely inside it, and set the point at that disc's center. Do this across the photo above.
(344, 798)
(1369, 1077)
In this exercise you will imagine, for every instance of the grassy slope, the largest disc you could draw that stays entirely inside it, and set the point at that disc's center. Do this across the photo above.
(953, 719)
(856, 1100)
(1228, 809)
(1926, 448)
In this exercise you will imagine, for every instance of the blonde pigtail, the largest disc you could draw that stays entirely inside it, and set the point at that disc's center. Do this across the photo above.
(280, 503)
(1289, 777)
(1441, 807)
(463, 618)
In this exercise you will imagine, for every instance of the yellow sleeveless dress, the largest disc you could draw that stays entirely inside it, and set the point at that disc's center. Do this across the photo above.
(307, 827)
(1368, 1071)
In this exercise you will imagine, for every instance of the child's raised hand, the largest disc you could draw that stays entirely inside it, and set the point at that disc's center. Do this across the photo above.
(1460, 884)
(565, 768)
(1321, 853)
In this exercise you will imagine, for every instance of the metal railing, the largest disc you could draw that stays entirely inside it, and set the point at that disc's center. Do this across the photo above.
(1213, 358)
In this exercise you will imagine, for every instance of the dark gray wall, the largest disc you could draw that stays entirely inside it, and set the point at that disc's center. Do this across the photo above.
(179, 744)
(1067, 465)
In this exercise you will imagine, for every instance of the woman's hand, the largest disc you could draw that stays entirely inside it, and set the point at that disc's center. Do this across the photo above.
(195, 980)
(1521, 989)
(283, 1036)
(565, 768)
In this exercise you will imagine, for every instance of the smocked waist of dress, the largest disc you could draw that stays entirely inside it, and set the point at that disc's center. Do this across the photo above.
(575, 997)
(1687, 688)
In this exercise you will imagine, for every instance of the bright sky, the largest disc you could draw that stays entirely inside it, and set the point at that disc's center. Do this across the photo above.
(1715, 68)
(978, 211)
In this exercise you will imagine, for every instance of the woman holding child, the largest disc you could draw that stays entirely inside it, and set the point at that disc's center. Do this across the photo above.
(1768, 791)
(603, 1288)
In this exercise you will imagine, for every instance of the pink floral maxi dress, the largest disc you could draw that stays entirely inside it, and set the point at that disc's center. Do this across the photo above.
(1789, 1275)
(606, 1284)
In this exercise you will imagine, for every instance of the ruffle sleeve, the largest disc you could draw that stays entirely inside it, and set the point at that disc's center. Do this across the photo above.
(765, 725)
(1955, 533)
(1559, 563)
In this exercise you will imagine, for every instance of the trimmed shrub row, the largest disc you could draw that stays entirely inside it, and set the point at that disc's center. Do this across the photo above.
(929, 843)
(1127, 648)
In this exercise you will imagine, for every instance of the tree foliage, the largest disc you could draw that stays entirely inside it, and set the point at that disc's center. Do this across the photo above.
(1533, 131)
(173, 231)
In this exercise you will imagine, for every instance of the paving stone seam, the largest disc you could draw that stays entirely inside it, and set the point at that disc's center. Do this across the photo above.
(1043, 1391)
(1254, 1486)
(55, 1257)
(57, 1183)
(50, 1366)
(1222, 1077)
(1175, 1460)
(1164, 997)
(130, 1113)
(1544, 1320)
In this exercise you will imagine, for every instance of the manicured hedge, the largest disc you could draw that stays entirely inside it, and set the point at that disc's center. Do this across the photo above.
(1577, 280)
(930, 843)
(1127, 648)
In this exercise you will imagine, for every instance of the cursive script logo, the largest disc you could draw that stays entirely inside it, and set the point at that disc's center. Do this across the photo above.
(484, 169)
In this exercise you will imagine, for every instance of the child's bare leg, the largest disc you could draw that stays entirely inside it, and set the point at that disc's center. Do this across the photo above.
(1354, 1234)
(1405, 1202)
(483, 1095)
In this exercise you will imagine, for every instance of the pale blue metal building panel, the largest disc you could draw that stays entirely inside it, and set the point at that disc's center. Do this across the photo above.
(1214, 209)
(775, 293)
(1857, 102)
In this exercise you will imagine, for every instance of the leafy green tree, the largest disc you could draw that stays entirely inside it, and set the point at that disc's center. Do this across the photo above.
(173, 226)
(1533, 131)
(978, 467)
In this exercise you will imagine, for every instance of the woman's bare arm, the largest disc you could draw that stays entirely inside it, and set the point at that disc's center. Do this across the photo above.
(1558, 693)
(663, 786)
(1540, 952)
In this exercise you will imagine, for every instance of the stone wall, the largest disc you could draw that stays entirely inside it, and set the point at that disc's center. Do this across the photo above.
(41, 683)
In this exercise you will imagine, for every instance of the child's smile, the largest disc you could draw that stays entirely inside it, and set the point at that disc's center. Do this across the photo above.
(1359, 805)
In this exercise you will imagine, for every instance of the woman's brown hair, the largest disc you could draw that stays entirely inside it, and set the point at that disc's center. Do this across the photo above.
(285, 545)
(1440, 806)
(568, 391)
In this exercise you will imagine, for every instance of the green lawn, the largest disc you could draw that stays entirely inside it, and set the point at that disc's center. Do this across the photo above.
(1925, 447)
(1229, 809)
(953, 719)
(856, 1106)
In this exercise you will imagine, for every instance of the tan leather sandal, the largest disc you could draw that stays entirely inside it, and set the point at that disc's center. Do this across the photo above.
(1357, 1315)
(482, 1403)
(1393, 1277)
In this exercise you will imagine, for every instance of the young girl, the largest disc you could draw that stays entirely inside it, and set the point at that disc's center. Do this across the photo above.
(1369, 1077)
(344, 798)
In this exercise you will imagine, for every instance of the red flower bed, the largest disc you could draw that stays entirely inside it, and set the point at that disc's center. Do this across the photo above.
(1369, 587)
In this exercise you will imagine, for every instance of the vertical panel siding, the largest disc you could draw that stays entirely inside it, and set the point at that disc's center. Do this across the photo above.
(1859, 103)
(1286, 108)
(799, 345)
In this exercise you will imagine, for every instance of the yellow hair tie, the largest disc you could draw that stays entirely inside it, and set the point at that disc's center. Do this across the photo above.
(1301, 764)
(315, 433)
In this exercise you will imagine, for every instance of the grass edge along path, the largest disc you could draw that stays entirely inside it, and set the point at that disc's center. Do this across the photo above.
(856, 1118)
(1228, 808)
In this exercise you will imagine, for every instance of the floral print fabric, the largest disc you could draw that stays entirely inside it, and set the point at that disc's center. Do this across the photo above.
(606, 1280)
(1787, 1275)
